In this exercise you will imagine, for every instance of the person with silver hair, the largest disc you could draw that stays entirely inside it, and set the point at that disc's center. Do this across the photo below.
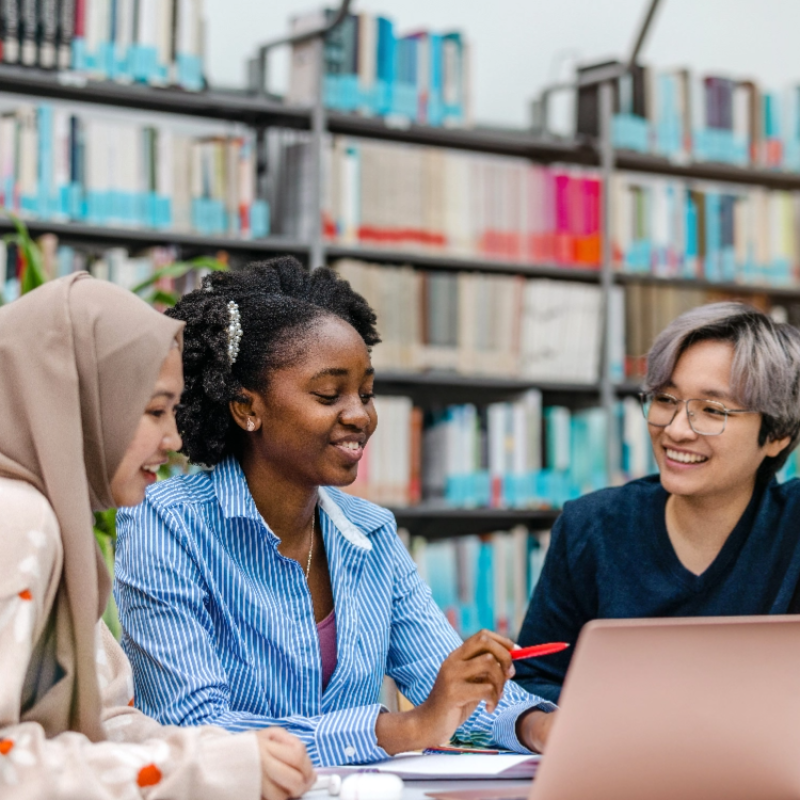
(714, 533)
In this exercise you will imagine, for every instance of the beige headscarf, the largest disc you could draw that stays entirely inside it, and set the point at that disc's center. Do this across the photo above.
(79, 360)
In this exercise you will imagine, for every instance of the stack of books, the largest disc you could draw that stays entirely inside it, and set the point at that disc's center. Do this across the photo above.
(159, 42)
(481, 324)
(730, 233)
(421, 77)
(63, 164)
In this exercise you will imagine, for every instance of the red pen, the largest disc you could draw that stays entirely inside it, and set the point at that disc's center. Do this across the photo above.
(538, 650)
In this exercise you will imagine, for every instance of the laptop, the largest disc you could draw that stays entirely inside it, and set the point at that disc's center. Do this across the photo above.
(678, 709)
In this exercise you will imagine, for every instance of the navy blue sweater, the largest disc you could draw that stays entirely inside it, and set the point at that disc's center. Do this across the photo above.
(610, 557)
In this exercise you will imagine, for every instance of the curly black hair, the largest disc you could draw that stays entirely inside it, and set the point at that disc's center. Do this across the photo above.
(279, 303)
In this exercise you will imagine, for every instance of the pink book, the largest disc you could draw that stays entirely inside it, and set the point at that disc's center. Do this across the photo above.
(563, 232)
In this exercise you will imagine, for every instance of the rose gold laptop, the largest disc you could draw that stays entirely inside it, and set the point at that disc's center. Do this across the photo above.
(678, 709)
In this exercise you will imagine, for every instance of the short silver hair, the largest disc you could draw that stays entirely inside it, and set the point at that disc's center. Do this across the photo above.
(765, 375)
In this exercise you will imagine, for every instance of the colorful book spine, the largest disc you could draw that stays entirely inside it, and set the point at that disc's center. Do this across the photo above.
(28, 21)
(11, 31)
(48, 33)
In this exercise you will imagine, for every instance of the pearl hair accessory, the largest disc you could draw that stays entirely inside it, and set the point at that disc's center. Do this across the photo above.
(234, 332)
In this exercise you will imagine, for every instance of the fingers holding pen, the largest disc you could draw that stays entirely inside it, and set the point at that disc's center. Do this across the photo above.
(488, 642)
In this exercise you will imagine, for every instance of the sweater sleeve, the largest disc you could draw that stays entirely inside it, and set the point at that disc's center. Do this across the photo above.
(140, 759)
(556, 613)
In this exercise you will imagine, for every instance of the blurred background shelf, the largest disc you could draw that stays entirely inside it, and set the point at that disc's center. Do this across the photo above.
(435, 522)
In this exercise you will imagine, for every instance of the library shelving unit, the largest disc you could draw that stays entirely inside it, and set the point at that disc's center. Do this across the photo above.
(255, 108)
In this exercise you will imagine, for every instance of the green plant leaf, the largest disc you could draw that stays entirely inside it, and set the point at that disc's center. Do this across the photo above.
(179, 269)
(33, 275)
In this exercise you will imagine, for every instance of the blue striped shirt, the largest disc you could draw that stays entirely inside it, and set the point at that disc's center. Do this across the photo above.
(220, 628)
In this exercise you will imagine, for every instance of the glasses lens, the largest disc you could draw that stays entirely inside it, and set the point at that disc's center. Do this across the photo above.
(659, 409)
(707, 416)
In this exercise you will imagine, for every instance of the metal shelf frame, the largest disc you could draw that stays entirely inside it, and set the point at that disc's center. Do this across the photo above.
(102, 235)
(437, 522)
(427, 260)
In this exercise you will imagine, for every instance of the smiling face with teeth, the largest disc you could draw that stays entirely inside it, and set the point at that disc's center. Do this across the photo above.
(315, 416)
(720, 467)
(156, 435)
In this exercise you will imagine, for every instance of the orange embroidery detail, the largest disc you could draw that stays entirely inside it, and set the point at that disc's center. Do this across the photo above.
(130, 702)
(149, 775)
(26, 595)
(6, 746)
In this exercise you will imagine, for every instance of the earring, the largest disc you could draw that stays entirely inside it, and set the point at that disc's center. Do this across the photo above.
(251, 426)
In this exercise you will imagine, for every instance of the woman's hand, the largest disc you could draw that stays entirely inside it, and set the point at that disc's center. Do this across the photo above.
(286, 769)
(533, 729)
(476, 671)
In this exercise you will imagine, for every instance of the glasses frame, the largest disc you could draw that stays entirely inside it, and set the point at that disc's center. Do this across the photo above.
(643, 399)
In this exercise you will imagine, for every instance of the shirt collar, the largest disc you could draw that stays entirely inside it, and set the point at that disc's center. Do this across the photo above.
(233, 493)
(345, 512)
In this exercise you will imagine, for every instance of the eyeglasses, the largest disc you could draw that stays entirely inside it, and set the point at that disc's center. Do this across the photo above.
(706, 417)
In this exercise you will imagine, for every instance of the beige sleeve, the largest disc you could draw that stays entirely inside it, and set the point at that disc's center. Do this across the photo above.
(141, 759)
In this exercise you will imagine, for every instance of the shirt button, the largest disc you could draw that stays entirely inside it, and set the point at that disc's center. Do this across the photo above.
(349, 751)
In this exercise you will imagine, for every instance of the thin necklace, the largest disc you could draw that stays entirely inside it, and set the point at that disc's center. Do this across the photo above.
(311, 546)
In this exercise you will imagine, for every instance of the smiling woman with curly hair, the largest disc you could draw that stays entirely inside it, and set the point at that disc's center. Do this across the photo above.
(256, 593)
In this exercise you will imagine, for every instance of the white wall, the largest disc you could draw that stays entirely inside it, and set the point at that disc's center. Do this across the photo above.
(522, 44)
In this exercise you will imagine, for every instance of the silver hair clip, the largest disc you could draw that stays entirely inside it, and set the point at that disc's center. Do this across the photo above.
(234, 332)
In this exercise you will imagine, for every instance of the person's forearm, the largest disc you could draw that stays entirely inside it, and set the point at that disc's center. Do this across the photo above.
(533, 728)
(401, 731)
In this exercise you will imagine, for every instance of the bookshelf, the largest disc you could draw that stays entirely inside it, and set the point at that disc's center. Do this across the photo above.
(458, 264)
(262, 112)
(431, 387)
(101, 235)
(229, 106)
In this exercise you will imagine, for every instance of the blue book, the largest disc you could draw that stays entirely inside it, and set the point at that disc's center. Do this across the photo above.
(728, 269)
(690, 260)
(385, 65)
(713, 268)
(435, 100)
(452, 79)
(557, 437)
(405, 92)
(46, 192)
(440, 566)
(484, 586)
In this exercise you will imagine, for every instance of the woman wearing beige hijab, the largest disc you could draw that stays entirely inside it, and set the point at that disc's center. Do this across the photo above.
(89, 380)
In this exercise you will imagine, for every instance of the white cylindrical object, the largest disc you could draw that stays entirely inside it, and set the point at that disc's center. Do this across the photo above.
(333, 783)
(371, 786)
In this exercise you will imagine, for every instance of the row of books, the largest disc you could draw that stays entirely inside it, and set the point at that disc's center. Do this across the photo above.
(422, 77)
(483, 581)
(159, 42)
(410, 197)
(516, 454)
(102, 170)
(730, 233)
(650, 308)
(117, 264)
(502, 455)
(483, 324)
(684, 116)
